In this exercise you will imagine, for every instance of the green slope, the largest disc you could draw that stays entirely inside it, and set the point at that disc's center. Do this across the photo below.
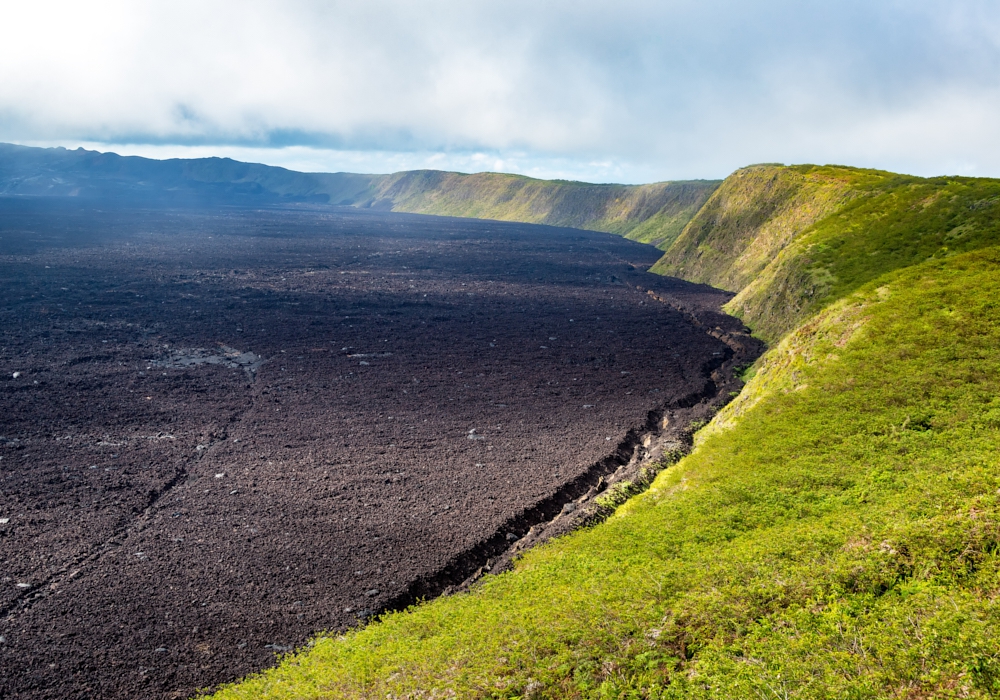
(649, 213)
(792, 239)
(754, 214)
(834, 533)
(893, 223)
(653, 214)
(839, 541)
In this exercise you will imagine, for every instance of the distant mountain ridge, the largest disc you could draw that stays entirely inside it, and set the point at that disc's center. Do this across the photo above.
(654, 213)
(25, 170)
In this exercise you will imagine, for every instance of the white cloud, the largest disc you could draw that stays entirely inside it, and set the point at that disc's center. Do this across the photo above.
(630, 90)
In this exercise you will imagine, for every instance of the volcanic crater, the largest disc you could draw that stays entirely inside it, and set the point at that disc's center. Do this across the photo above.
(226, 430)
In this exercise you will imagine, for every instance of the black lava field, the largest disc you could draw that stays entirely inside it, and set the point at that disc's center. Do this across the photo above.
(224, 431)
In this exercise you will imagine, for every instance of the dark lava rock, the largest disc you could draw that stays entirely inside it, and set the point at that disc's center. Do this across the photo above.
(203, 399)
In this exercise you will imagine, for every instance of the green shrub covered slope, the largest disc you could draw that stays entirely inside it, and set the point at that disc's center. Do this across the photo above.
(835, 531)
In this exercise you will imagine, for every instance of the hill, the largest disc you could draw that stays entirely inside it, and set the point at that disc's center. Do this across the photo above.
(27, 171)
(648, 213)
(791, 239)
(653, 214)
(835, 531)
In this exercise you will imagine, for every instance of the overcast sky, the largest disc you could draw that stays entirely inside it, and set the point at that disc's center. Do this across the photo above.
(600, 91)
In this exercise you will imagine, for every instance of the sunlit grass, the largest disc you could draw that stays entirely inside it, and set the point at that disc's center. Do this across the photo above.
(835, 534)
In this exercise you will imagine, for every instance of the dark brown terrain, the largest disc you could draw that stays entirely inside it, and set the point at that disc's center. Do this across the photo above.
(223, 431)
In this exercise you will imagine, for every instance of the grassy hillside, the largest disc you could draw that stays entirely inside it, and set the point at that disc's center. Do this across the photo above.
(840, 540)
(792, 239)
(891, 223)
(649, 213)
(754, 214)
(653, 214)
(834, 533)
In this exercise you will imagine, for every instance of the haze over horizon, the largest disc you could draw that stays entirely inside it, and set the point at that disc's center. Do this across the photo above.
(638, 92)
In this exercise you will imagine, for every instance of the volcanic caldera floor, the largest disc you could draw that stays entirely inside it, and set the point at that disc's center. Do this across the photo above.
(226, 430)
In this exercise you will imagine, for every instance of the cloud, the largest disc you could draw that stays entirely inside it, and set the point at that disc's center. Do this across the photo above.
(633, 90)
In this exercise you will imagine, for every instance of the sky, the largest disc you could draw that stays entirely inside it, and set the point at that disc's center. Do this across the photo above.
(597, 91)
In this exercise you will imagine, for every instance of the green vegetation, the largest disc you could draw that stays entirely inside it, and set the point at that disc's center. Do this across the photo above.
(891, 222)
(754, 214)
(834, 533)
(648, 213)
(653, 214)
(792, 239)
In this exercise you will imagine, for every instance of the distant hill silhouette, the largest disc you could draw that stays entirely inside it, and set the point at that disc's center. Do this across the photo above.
(81, 173)
(653, 213)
